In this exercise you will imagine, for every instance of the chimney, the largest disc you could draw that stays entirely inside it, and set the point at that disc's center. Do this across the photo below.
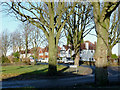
(95, 43)
(87, 45)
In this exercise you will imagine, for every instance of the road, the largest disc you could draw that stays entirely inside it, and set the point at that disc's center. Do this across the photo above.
(113, 76)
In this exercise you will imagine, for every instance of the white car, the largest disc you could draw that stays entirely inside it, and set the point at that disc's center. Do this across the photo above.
(44, 60)
(70, 61)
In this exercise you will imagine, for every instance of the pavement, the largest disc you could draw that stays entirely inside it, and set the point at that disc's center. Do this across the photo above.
(113, 76)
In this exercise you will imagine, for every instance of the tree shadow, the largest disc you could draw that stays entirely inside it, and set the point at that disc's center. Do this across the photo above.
(37, 74)
(43, 74)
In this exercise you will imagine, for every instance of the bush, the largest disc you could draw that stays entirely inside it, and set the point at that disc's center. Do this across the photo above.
(4, 59)
(16, 56)
(114, 56)
(26, 61)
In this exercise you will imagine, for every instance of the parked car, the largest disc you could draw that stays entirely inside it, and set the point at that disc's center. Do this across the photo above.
(44, 60)
(68, 60)
(59, 61)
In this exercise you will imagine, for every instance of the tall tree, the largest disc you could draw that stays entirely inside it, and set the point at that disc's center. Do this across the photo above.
(114, 34)
(37, 38)
(26, 29)
(5, 42)
(16, 40)
(78, 26)
(47, 17)
(102, 22)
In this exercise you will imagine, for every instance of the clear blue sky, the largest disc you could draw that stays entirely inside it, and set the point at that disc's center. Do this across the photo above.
(11, 24)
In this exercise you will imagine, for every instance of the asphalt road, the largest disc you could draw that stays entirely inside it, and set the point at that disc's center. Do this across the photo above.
(113, 76)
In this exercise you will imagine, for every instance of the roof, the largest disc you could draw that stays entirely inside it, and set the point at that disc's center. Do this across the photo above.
(83, 46)
(23, 51)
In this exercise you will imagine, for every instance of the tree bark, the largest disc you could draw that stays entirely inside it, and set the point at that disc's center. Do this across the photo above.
(77, 58)
(26, 50)
(52, 70)
(101, 74)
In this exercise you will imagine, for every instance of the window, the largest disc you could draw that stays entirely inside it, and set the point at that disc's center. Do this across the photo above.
(80, 52)
(90, 59)
(91, 51)
(40, 54)
(46, 53)
(69, 51)
(80, 58)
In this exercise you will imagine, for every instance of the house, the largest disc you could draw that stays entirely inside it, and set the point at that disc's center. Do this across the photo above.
(29, 53)
(66, 52)
(87, 50)
(41, 53)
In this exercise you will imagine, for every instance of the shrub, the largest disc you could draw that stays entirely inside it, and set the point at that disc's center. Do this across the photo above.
(4, 59)
(26, 61)
(114, 56)
(16, 56)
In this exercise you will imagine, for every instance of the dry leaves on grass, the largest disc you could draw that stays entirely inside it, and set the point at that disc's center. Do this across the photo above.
(5, 76)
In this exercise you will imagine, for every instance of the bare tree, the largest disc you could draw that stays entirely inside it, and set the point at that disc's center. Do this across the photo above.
(78, 26)
(26, 30)
(102, 22)
(47, 17)
(5, 42)
(16, 40)
(114, 34)
(37, 38)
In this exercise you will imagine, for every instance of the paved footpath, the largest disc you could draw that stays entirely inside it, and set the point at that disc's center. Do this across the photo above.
(52, 83)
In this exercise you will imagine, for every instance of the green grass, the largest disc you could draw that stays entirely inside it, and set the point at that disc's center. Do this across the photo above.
(22, 69)
(11, 71)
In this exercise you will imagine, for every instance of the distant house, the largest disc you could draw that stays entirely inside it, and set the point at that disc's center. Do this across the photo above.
(45, 53)
(87, 50)
(29, 53)
(41, 53)
(66, 52)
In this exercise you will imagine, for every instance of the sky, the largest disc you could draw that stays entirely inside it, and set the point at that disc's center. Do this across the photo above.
(11, 24)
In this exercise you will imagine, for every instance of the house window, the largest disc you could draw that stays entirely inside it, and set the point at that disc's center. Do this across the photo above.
(69, 51)
(80, 52)
(40, 54)
(90, 59)
(91, 51)
(46, 53)
(80, 58)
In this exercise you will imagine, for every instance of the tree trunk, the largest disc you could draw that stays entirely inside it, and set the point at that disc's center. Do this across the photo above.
(52, 70)
(26, 44)
(109, 53)
(35, 55)
(77, 58)
(101, 74)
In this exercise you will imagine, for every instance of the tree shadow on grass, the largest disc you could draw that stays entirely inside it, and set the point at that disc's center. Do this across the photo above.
(43, 74)
(37, 74)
